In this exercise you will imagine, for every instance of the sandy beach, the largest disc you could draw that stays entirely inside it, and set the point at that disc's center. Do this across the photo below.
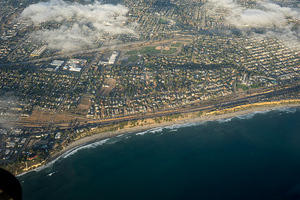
(188, 119)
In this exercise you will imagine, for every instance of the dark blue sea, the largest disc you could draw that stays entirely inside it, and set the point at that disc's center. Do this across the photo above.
(253, 157)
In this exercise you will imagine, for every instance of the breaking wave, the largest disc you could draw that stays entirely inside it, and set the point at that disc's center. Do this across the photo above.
(165, 129)
(68, 154)
(175, 127)
(92, 145)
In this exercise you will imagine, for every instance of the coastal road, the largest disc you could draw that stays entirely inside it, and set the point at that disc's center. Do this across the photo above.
(221, 103)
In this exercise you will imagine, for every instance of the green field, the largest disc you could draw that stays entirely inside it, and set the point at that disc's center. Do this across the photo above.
(176, 45)
(152, 50)
(171, 51)
(133, 58)
(133, 52)
(149, 50)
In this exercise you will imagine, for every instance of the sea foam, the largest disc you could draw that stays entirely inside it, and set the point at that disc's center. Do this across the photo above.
(88, 146)
(68, 154)
(170, 128)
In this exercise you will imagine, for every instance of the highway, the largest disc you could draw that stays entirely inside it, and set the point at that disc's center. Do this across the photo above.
(127, 46)
(205, 106)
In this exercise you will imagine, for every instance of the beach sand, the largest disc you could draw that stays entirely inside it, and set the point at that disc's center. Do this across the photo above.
(187, 119)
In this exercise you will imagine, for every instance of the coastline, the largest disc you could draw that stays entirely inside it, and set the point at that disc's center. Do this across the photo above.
(188, 119)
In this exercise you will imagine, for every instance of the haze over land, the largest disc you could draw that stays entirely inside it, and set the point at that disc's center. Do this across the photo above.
(267, 17)
(80, 25)
(8, 110)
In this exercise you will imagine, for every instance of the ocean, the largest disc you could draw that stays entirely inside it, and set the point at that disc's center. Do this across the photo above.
(256, 156)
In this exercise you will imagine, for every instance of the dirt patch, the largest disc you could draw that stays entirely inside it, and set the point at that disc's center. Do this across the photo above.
(84, 104)
(107, 87)
(40, 116)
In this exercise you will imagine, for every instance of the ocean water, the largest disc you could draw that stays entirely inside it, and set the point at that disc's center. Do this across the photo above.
(250, 157)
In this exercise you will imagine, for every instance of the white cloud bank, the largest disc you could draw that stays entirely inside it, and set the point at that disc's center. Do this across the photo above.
(276, 20)
(81, 24)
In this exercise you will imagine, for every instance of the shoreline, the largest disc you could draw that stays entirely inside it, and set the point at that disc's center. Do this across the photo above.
(212, 116)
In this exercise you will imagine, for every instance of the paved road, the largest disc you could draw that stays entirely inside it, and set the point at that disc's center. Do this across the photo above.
(220, 103)
(129, 45)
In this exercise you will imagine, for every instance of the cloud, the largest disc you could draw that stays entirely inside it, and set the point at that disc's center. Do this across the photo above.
(258, 18)
(79, 26)
(273, 19)
(266, 15)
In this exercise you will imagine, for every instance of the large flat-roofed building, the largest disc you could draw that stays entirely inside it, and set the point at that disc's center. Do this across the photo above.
(75, 65)
(113, 58)
(38, 51)
(57, 64)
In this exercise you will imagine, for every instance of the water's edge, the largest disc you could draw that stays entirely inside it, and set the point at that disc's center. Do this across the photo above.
(98, 142)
